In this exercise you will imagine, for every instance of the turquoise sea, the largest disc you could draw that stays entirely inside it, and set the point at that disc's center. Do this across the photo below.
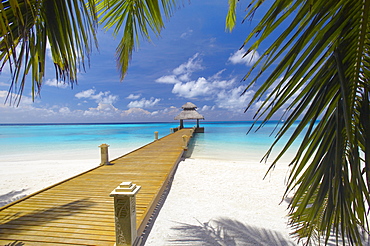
(221, 140)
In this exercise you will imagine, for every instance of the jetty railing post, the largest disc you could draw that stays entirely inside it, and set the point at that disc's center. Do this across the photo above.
(155, 135)
(104, 154)
(184, 139)
(125, 213)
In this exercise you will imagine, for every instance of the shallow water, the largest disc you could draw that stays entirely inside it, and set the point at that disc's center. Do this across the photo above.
(32, 142)
(230, 141)
(221, 140)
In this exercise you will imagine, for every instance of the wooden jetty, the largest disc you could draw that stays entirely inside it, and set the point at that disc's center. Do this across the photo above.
(79, 211)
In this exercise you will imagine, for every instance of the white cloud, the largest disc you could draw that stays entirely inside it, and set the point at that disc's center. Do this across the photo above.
(106, 98)
(106, 107)
(102, 110)
(239, 58)
(30, 112)
(85, 94)
(186, 34)
(193, 88)
(201, 87)
(233, 100)
(135, 112)
(166, 113)
(168, 79)
(27, 111)
(143, 103)
(64, 110)
(101, 97)
(11, 100)
(183, 72)
(56, 83)
(184, 77)
(207, 108)
(222, 91)
(133, 96)
(192, 65)
(217, 75)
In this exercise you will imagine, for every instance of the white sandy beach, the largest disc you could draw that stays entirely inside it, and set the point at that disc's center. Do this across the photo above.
(216, 202)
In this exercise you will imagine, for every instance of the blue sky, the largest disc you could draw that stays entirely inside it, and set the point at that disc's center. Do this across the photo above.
(195, 60)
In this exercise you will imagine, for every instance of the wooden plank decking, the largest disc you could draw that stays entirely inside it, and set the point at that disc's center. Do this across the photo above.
(79, 211)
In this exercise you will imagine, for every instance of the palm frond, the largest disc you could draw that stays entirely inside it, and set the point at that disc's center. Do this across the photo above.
(137, 18)
(322, 79)
(29, 26)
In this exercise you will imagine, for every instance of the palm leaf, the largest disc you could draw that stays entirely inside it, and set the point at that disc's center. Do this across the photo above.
(27, 28)
(137, 18)
(322, 73)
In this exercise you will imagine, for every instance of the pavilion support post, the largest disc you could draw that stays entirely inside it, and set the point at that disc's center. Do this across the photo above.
(197, 123)
(125, 213)
(104, 154)
(181, 124)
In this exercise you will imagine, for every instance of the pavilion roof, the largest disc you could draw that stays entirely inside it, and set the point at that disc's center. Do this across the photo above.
(189, 112)
(189, 115)
(189, 105)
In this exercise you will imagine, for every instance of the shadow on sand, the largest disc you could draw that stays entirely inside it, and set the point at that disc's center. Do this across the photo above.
(12, 196)
(226, 232)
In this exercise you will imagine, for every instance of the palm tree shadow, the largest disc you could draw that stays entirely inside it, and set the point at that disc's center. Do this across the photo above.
(16, 243)
(12, 196)
(333, 241)
(39, 217)
(226, 232)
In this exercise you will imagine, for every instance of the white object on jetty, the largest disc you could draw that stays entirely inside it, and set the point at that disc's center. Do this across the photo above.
(125, 213)
(104, 154)
(155, 135)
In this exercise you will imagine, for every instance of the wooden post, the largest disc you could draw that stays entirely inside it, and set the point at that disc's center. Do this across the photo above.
(125, 213)
(155, 135)
(197, 123)
(181, 124)
(184, 139)
(104, 154)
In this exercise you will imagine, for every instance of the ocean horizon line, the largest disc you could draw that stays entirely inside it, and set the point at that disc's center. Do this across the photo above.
(145, 122)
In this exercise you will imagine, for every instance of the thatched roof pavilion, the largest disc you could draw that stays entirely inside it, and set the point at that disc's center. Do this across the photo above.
(189, 113)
